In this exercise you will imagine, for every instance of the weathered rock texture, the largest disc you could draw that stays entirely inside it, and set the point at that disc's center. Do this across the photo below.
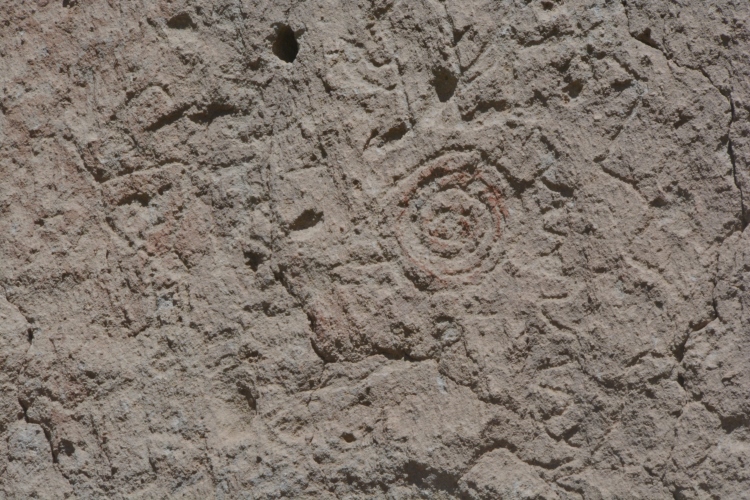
(482, 249)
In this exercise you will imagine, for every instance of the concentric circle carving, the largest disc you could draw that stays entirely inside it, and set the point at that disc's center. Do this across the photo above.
(447, 218)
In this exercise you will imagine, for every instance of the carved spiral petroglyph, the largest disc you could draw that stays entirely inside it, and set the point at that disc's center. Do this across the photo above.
(440, 228)
(447, 218)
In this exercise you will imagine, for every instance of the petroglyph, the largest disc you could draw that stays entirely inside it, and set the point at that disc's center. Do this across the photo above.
(448, 217)
(388, 249)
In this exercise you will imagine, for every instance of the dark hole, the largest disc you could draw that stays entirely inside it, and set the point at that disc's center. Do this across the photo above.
(423, 476)
(445, 83)
(285, 45)
(254, 259)
(573, 89)
(679, 351)
(645, 37)
(396, 132)
(306, 220)
(683, 119)
(620, 85)
(212, 112)
(142, 199)
(67, 447)
(181, 21)
(681, 380)
(68, 3)
(458, 35)
(729, 424)
(247, 393)
(659, 202)
(348, 437)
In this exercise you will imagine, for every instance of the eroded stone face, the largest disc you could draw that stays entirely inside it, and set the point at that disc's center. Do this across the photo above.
(374, 250)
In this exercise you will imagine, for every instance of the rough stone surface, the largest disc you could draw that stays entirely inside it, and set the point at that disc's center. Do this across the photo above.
(476, 249)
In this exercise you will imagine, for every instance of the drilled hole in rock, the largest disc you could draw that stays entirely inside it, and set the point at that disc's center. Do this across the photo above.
(180, 21)
(285, 45)
(306, 220)
(445, 83)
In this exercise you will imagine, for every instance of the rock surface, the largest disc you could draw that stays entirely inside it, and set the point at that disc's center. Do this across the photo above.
(394, 249)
